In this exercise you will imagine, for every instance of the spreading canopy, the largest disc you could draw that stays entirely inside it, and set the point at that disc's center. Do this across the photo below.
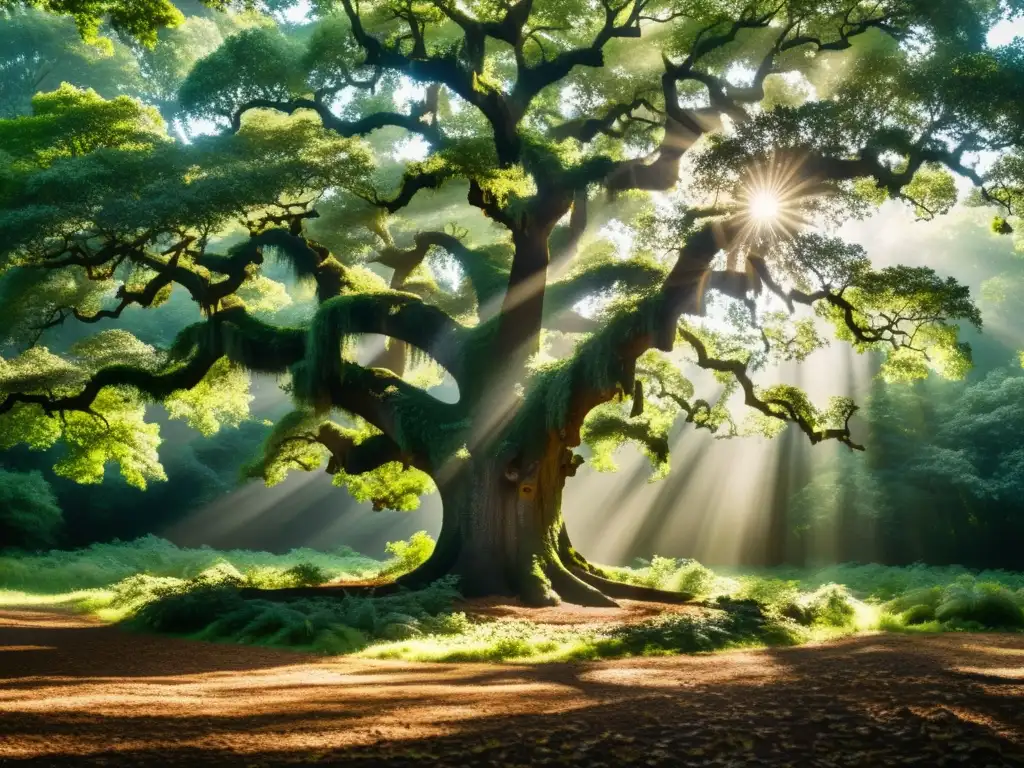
(557, 206)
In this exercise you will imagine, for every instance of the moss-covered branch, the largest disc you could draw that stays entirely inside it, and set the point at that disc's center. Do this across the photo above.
(348, 128)
(154, 385)
(244, 340)
(788, 405)
(395, 314)
(441, 68)
(485, 274)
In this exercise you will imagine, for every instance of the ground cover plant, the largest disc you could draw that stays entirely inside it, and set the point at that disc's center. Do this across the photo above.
(153, 585)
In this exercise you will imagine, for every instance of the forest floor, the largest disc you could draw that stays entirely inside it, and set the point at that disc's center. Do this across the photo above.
(77, 692)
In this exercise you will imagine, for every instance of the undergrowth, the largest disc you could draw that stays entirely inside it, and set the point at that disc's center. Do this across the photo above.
(103, 565)
(151, 584)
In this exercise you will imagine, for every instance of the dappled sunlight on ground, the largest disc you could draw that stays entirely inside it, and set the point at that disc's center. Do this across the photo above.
(566, 614)
(76, 689)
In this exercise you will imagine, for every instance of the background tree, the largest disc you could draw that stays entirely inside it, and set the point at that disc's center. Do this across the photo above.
(29, 512)
(724, 135)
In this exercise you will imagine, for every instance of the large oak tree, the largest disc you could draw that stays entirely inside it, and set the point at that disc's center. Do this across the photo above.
(725, 140)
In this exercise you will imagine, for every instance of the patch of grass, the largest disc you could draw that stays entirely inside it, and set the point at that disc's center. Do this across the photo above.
(731, 624)
(103, 565)
(153, 585)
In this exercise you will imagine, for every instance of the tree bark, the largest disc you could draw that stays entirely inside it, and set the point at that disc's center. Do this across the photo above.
(501, 528)
(523, 308)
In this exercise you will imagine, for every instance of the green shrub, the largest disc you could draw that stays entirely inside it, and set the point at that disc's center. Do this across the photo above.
(133, 592)
(214, 610)
(188, 610)
(926, 596)
(406, 556)
(268, 577)
(692, 578)
(988, 606)
(831, 606)
(307, 575)
(737, 623)
(918, 614)
(771, 593)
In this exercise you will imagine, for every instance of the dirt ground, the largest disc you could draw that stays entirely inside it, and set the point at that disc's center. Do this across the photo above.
(73, 692)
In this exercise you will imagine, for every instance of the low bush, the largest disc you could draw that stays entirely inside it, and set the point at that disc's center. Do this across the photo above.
(676, 575)
(211, 608)
(986, 605)
(407, 555)
(736, 623)
(966, 604)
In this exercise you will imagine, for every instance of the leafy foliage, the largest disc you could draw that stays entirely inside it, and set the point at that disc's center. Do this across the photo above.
(29, 512)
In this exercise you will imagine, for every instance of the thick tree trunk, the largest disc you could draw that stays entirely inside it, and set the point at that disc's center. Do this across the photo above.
(500, 531)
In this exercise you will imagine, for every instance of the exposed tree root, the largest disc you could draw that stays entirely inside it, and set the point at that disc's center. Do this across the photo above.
(592, 575)
(570, 578)
(573, 589)
(631, 591)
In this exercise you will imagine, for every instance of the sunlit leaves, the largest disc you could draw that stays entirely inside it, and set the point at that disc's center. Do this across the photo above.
(70, 122)
(115, 346)
(221, 399)
(39, 370)
(1004, 189)
(609, 426)
(112, 430)
(932, 191)
(390, 486)
(289, 446)
(788, 403)
(29, 425)
(907, 313)
(115, 432)
(137, 18)
(791, 338)
(300, 441)
(199, 188)
(814, 262)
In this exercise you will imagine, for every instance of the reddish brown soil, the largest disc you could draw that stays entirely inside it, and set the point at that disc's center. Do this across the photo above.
(627, 612)
(73, 692)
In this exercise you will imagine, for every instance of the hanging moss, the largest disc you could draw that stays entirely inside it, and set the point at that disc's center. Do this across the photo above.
(330, 335)
(287, 447)
(597, 363)
(634, 276)
(608, 427)
(302, 259)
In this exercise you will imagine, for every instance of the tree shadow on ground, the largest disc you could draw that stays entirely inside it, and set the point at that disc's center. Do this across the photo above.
(56, 644)
(867, 701)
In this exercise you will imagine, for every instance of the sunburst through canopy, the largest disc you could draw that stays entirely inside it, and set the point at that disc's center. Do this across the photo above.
(772, 200)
